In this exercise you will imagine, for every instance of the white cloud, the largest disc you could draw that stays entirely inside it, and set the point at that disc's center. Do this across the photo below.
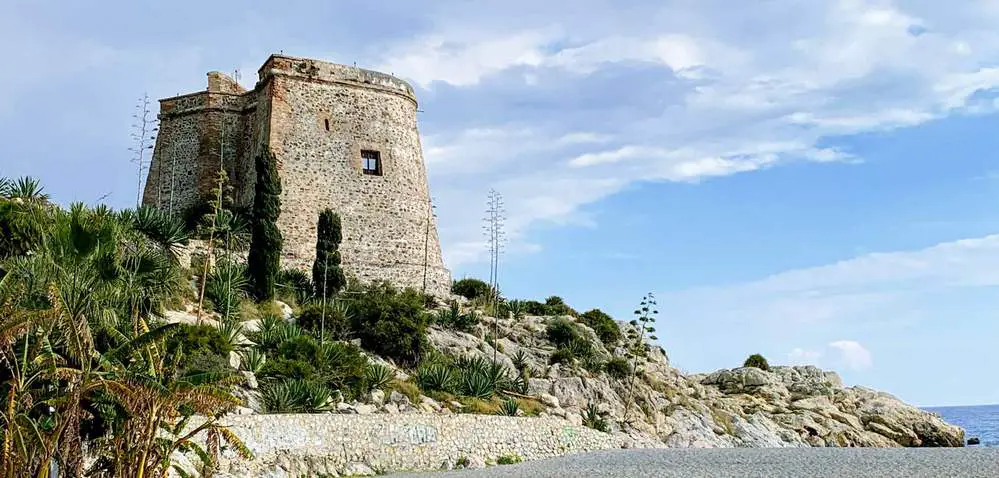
(853, 354)
(680, 96)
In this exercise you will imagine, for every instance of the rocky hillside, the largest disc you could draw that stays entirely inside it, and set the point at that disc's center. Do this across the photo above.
(743, 407)
(782, 407)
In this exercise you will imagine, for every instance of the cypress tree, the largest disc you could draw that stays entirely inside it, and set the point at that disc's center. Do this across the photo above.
(327, 275)
(264, 259)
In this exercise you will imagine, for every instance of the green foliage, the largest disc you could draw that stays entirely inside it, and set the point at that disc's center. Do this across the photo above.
(454, 319)
(226, 288)
(263, 260)
(327, 276)
(561, 355)
(335, 322)
(516, 308)
(389, 322)
(509, 459)
(601, 323)
(639, 337)
(192, 338)
(593, 419)
(87, 363)
(533, 307)
(295, 396)
(562, 332)
(618, 368)
(758, 361)
(378, 376)
(438, 377)
(554, 305)
(294, 286)
(252, 360)
(471, 288)
(509, 407)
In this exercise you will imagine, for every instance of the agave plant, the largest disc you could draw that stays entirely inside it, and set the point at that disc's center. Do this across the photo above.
(593, 419)
(226, 287)
(252, 360)
(435, 377)
(378, 375)
(231, 331)
(509, 407)
(475, 385)
(296, 396)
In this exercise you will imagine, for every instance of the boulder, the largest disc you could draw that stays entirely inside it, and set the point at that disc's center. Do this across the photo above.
(378, 397)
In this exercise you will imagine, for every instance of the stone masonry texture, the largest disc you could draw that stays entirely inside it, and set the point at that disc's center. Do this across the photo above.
(317, 118)
(333, 444)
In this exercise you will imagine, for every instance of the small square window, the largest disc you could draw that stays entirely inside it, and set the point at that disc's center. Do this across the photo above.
(371, 162)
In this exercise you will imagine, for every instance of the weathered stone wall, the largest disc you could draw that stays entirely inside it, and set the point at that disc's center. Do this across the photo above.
(388, 228)
(310, 445)
(316, 117)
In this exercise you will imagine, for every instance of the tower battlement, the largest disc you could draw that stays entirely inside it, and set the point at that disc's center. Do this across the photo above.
(345, 138)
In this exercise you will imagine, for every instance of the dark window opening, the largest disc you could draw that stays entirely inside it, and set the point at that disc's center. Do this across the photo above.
(371, 162)
(327, 122)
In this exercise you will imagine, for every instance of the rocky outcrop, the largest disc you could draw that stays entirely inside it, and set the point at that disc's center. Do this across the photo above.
(785, 406)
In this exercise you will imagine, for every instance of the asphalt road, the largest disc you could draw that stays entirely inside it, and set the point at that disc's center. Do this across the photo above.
(754, 462)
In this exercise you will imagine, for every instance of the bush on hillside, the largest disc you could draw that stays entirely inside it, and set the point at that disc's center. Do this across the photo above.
(601, 323)
(336, 321)
(618, 367)
(389, 322)
(202, 349)
(561, 332)
(470, 288)
(294, 286)
(758, 361)
(554, 305)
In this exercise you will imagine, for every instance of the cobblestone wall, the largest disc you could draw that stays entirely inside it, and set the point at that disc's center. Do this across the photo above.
(310, 445)
(316, 117)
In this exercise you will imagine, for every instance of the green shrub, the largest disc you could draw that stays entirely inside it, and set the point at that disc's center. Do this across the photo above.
(509, 459)
(194, 338)
(554, 305)
(389, 322)
(470, 288)
(561, 355)
(618, 367)
(281, 368)
(561, 332)
(336, 320)
(601, 323)
(301, 347)
(452, 318)
(203, 361)
(533, 307)
(758, 361)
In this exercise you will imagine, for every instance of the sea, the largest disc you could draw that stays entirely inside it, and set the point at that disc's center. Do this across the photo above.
(980, 421)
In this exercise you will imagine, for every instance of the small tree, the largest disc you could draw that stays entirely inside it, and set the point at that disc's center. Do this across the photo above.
(327, 276)
(758, 361)
(638, 338)
(264, 259)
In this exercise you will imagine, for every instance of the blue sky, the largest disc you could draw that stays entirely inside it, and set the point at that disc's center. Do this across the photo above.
(813, 181)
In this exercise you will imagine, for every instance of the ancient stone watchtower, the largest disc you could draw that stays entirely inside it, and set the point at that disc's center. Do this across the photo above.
(344, 138)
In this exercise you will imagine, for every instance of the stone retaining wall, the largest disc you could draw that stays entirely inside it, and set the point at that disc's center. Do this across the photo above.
(333, 444)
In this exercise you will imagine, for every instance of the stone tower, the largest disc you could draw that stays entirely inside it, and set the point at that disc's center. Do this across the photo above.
(344, 138)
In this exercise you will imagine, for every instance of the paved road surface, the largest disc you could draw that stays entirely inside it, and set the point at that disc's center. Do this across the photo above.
(755, 462)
